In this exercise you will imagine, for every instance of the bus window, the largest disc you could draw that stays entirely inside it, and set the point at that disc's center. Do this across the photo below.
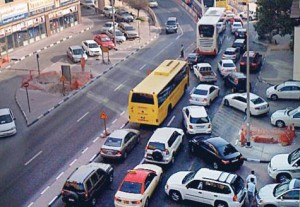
(206, 30)
(142, 98)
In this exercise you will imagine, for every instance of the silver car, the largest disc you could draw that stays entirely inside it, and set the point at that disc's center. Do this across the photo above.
(75, 53)
(119, 143)
(7, 123)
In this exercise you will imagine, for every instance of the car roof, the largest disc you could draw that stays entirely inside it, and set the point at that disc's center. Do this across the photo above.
(237, 75)
(75, 47)
(231, 49)
(216, 141)
(237, 23)
(292, 83)
(251, 54)
(162, 134)
(239, 41)
(192, 54)
(203, 65)
(90, 41)
(137, 175)
(244, 95)
(119, 133)
(80, 174)
(172, 19)
(216, 175)
(227, 61)
(197, 111)
(204, 86)
(4, 111)
(242, 30)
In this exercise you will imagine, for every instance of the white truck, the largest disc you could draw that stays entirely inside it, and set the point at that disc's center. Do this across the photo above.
(252, 12)
(204, 72)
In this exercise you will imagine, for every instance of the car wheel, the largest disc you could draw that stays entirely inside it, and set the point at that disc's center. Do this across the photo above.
(175, 196)
(146, 202)
(157, 155)
(274, 97)
(283, 177)
(280, 124)
(93, 201)
(226, 102)
(216, 165)
(220, 204)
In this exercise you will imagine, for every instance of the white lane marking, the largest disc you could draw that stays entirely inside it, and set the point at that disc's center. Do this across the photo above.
(73, 162)
(84, 150)
(95, 140)
(93, 158)
(31, 204)
(142, 160)
(158, 54)
(180, 34)
(141, 68)
(220, 51)
(59, 175)
(119, 86)
(114, 121)
(122, 113)
(44, 191)
(172, 119)
(35, 156)
(51, 202)
(83, 116)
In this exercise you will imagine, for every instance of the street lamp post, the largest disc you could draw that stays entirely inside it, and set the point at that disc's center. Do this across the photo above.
(38, 63)
(113, 19)
(248, 144)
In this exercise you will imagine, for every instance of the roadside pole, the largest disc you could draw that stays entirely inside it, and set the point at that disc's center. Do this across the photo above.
(26, 84)
(248, 144)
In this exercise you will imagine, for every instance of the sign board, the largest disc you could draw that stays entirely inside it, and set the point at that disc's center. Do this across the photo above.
(103, 115)
(66, 72)
(25, 84)
(104, 49)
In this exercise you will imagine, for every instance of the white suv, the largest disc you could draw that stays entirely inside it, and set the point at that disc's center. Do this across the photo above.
(163, 145)
(91, 47)
(207, 186)
(196, 120)
(285, 166)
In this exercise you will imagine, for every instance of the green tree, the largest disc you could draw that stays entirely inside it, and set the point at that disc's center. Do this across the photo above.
(138, 5)
(273, 18)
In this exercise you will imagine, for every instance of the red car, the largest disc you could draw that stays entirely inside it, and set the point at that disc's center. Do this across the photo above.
(255, 61)
(236, 19)
(104, 41)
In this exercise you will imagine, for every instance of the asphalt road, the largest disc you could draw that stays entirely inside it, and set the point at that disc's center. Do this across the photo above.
(60, 137)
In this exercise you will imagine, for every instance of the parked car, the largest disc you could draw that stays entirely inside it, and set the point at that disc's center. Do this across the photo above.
(255, 62)
(124, 16)
(285, 166)
(138, 186)
(286, 117)
(119, 143)
(163, 145)
(120, 37)
(241, 34)
(91, 47)
(252, 15)
(285, 194)
(75, 53)
(104, 41)
(235, 26)
(128, 30)
(107, 26)
(207, 186)
(7, 123)
(204, 73)
(241, 44)
(204, 94)
(196, 120)
(258, 105)
(193, 59)
(286, 90)
(171, 25)
(108, 11)
(218, 152)
(153, 4)
(236, 81)
(231, 53)
(225, 67)
(83, 185)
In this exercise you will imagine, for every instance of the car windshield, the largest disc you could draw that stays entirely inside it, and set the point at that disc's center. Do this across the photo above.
(171, 22)
(258, 100)
(105, 39)
(188, 177)
(113, 142)
(229, 52)
(200, 92)
(108, 25)
(237, 25)
(93, 45)
(129, 28)
(156, 145)
(228, 65)
(131, 187)
(118, 33)
(199, 120)
(237, 185)
(244, 59)
(237, 44)
(281, 188)
(226, 150)
(294, 156)
(74, 186)
(77, 51)
(4, 119)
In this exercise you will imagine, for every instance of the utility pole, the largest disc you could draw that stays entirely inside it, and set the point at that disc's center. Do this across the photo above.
(113, 19)
(248, 144)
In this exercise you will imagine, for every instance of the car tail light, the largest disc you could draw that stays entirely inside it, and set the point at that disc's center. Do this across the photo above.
(235, 198)
(242, 63)
(209, 126)
(205, 100)
(253, 64)
(119, 153)
(190, 126)
(223, 56)
(236, 81)
(137, 202)
(167, 151)
(234, 70)
(225, 162)
(86, 195)
(118, 199)
(234, 56)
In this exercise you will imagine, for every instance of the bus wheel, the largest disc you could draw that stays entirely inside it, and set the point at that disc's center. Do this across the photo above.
(169, 109)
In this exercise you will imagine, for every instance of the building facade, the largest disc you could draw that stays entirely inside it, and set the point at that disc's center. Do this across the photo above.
(23, 22)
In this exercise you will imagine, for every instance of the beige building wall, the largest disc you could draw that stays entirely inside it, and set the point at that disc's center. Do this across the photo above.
(296, 71)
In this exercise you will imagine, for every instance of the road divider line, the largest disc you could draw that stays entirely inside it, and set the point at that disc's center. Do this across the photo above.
(114, 121)
(52, 201)
(93, 157)
(95, 140)
(83, 151)
(119, 86)
(59, 175)
(172, 119)
(158, 54)
(122, 113)
(44, 191)
(141, 68)
(31, 204)
(83, 116)
(73, 162)
(35, 156)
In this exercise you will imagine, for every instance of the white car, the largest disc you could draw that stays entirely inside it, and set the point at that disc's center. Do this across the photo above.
(226, 66)
(138, 186)
(108, 26)
(204, 94)
(286, 90)
(120, 37)
(91, 47)
(235, 26)
(258, 105)
(196, 120)
(285, 166)
(286, 117)
(7, 123)
(153, 4)
(231, 53)
(163, 145)
(108, 11)
(207, 186)
(286, 194)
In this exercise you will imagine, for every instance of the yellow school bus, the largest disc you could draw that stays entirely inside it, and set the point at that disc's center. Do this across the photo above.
(222, 3)
(152, 100)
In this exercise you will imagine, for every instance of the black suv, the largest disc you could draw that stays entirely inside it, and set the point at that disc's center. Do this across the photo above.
(241, 44)
(193, 59)
(85, 182)
(236, 81)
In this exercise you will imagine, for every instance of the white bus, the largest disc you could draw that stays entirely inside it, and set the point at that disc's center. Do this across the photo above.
(208, 38)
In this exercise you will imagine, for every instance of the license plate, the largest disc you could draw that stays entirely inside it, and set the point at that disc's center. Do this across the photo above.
(71, 200)
(109, 153)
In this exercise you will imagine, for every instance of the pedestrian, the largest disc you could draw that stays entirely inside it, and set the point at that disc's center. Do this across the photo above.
(251, 188)
(251, 176)
(182, 51)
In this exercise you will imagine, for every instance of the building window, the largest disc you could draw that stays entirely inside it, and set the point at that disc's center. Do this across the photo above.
(8, 1)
